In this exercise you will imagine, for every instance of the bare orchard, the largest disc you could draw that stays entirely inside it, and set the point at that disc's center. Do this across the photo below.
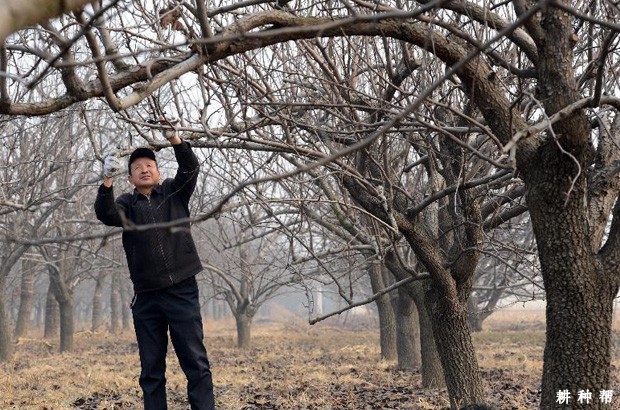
(290, 366)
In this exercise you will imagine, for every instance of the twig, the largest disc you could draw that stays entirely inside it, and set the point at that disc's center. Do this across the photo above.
(372, 298)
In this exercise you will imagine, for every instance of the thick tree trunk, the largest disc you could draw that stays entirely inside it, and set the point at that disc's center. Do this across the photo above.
(456, 350)
(582, 361)
(39, 313)
(407, 332)
(387, 330)
(7, 262)
(97, 318)
(126, 296)
(13, 301)
(387, 318)
(6, 343)
(432, 370)
(25, 300)
(63, 295)
(244, 331)
(52, 320)
(473, 314)
(450, 288)
(115, 302)
(579, 291)
(66, 325)
(219, 310)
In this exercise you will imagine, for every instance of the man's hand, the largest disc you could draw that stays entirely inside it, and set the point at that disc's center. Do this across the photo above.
(167, 127)
(111, 165)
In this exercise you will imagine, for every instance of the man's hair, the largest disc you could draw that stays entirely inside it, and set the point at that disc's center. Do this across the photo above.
(140, 153)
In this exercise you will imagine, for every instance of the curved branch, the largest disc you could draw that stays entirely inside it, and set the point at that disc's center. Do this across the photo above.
(494, 21)
(224, 276)
(503, 175)
(370, 299)
(600, 63)
(564, 113)
(282, 26)
(504, 216)
(103, 73)
(532, 25)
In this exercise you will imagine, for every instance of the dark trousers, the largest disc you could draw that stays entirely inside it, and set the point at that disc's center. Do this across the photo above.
(175, 309)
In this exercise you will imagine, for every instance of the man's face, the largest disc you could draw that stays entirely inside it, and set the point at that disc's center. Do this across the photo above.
(144, 173)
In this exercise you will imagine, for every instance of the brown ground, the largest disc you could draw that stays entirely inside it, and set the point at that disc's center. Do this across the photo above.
(291, 366)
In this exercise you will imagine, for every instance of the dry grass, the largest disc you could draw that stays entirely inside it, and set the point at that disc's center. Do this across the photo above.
(291, 366)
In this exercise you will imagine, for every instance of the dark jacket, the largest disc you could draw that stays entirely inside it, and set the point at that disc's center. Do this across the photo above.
(158, 257)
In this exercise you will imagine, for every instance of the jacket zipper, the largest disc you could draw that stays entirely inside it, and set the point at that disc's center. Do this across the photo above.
(160, 246)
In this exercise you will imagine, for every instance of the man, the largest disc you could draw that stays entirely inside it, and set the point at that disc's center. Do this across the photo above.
(163, 262)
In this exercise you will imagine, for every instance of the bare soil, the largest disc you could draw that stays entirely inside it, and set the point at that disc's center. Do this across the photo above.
(290, 366)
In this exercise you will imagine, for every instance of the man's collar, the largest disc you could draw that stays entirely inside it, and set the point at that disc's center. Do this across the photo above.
(136, 195)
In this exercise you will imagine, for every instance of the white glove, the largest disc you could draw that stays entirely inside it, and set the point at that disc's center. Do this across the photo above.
(111, 165)
(168, 127)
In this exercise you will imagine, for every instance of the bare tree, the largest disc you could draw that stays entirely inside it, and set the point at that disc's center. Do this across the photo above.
(337, 230)
(28, 199)
(26, 298)
(533, 85)
(246, 253)
(44, 175)
(508, 271)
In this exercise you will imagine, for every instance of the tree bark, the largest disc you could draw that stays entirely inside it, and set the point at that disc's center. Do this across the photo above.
(97, 318)
(387, 318)
(52, 321)
(407, 332)
(126, 296)
(456, 350)
(65, 305)
(115, 302)
(473, 314)
(432, 370)
(241, 305)
(6, 344)
(244, 330)
(582, 361)
(25, 302)
(579, 291)
(66, 325)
